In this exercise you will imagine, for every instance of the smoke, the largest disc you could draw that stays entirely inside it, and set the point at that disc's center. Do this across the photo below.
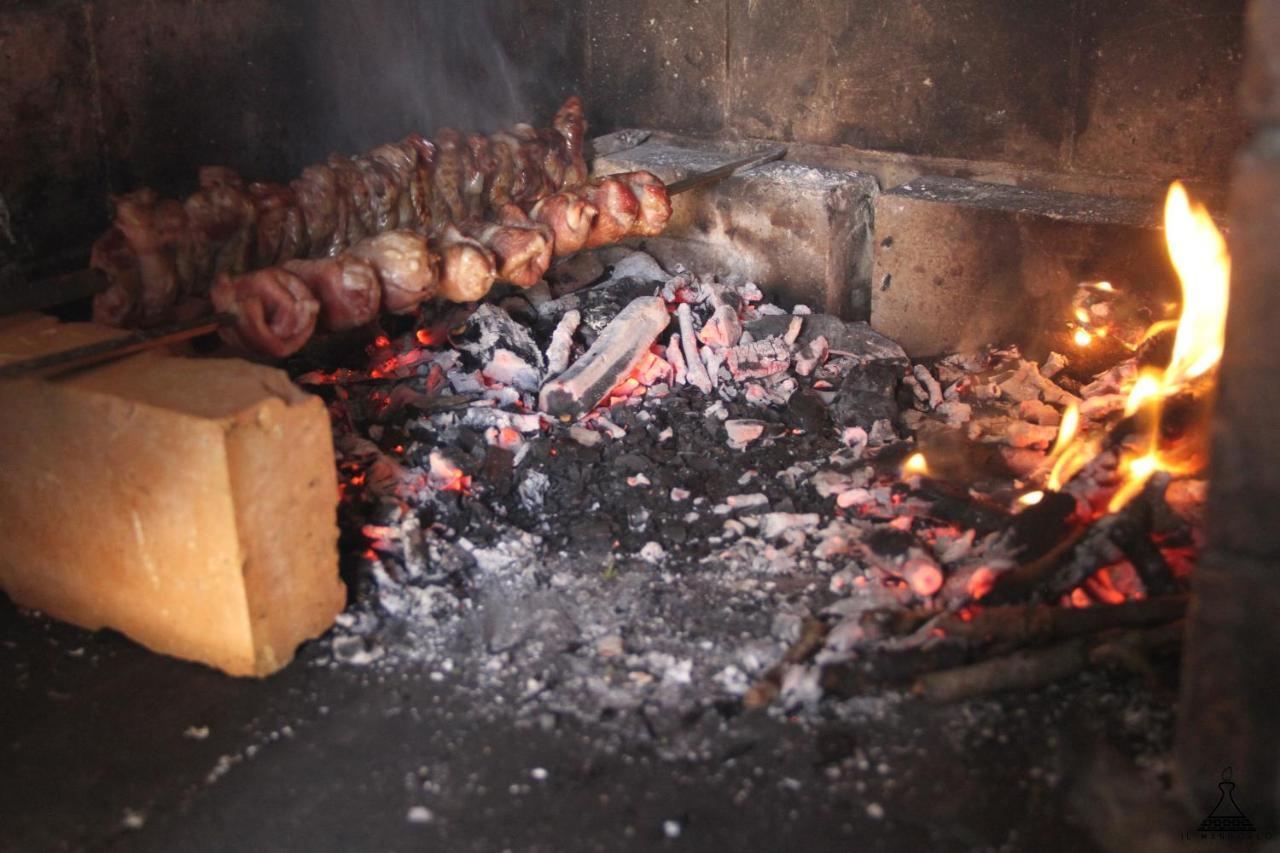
(380, 69)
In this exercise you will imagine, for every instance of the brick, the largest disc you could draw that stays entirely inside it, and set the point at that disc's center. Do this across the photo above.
(1141, 113)
(801, 232)
(1244, 498)
(959, 263)
(189, 504)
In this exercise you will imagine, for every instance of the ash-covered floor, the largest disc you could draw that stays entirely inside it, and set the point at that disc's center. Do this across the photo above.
(108, 747)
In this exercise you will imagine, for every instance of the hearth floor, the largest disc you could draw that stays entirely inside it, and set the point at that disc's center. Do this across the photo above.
(106, 746)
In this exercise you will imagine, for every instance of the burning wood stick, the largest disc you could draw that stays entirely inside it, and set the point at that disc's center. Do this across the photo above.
(1030, 669)
(618, 350)
(696, 371)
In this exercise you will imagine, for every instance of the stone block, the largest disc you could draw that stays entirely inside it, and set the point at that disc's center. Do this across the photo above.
(190, 504)
(960, 264)
(800, 232)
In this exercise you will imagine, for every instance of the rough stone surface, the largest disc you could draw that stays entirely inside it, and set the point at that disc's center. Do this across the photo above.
(1157, 87)
(928, 77)
(801, 232)
(959, 263)
(656, 63)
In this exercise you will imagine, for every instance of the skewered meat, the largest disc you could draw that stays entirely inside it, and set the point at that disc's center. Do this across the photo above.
(406, 266)
(521, 246)
(480, 164)
(467, 268)
(153, 229)
(616, 211)
(571, 124)
(118, 304)
(317, 194)
(222, 218)
(450, 174)
(282, 229)
(347, 288)
(569, 216)
(275, 312)
(655, 203)
(161, 252)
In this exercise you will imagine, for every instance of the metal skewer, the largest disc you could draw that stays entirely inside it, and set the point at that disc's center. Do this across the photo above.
(58, 363)
(719, 173)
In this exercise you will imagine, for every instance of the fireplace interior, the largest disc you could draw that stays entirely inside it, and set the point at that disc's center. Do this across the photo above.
(758, 424)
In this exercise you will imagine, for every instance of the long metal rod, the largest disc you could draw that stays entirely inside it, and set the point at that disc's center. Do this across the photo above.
(58, 363)
(719, 173)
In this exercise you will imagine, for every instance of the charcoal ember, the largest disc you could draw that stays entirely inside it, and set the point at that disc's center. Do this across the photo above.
(867, 394)
(760, 358)
(490, 328)
(638, 265)
(842, 336)
(613, 355)
(599, 305)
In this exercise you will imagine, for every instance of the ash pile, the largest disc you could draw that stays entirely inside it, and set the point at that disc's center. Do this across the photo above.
(626, 492)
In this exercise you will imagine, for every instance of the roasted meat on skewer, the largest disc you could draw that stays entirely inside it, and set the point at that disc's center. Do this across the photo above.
(381, 205)
(275, 312)
(347, 288)
(406, 266)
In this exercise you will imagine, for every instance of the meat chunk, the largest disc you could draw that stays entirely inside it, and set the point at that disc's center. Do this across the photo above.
(467, 269)
(654, 200)
(521, 247)
(275, 312)
(616, 211)
(407, 267)
(118, 304)
(157, 234)
(346, 286)
(571, 124)
(317, 194)
(569, 216)
(221, 216)
(282, 228)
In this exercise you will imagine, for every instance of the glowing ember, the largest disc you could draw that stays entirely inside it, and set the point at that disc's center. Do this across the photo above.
(1082, 338)
(1031, 498)
(915, 464)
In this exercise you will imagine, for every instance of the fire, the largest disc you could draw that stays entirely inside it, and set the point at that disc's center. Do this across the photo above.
(1199, 254)
(916, 464)
(1200, 258)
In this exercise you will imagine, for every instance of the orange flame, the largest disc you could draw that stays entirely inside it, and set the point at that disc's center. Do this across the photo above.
(1200, 257)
